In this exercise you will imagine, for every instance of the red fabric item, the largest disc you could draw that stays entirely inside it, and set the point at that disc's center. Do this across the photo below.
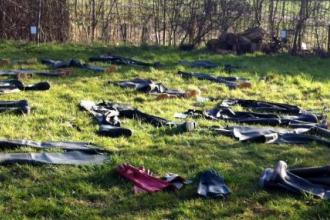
(141, 178)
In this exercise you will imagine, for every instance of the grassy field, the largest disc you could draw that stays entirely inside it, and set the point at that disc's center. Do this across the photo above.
(95, 192)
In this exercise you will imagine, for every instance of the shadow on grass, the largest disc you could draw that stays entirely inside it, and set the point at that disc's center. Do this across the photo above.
(258, 65)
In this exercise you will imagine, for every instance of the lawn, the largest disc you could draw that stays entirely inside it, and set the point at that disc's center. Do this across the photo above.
(95, 192)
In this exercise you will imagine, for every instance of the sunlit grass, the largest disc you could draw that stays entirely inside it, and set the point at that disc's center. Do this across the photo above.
(97, 192)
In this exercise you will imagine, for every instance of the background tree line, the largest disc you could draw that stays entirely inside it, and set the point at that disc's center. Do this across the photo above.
(50, 16)
(165, 22)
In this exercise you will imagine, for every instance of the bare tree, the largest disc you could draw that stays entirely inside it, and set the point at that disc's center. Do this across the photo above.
(303, 16)
(164, 22)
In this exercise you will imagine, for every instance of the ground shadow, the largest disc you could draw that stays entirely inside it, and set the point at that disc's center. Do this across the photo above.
(253, 64)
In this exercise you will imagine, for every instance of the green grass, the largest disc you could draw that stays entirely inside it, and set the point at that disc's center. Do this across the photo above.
(95, 192)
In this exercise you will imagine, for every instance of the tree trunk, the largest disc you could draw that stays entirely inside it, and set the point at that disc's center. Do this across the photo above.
(329, 38)
(164, 22)
(303, 15)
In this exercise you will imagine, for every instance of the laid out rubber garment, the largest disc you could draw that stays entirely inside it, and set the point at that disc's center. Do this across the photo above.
(227, 114)
(20, 106)
(119, 60)
(56, 64)
(263, 106)
(67, 158)
(314, 181)
(230, 81)
(229, 68)
(263, 113)
(107, 115)
(29, 73)
(75, 153)
(274, 107)
(277, 135)
(145, 181)
(64, 145)
(199, 64)
(212, 185)
(10, 86)
(149, 86)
